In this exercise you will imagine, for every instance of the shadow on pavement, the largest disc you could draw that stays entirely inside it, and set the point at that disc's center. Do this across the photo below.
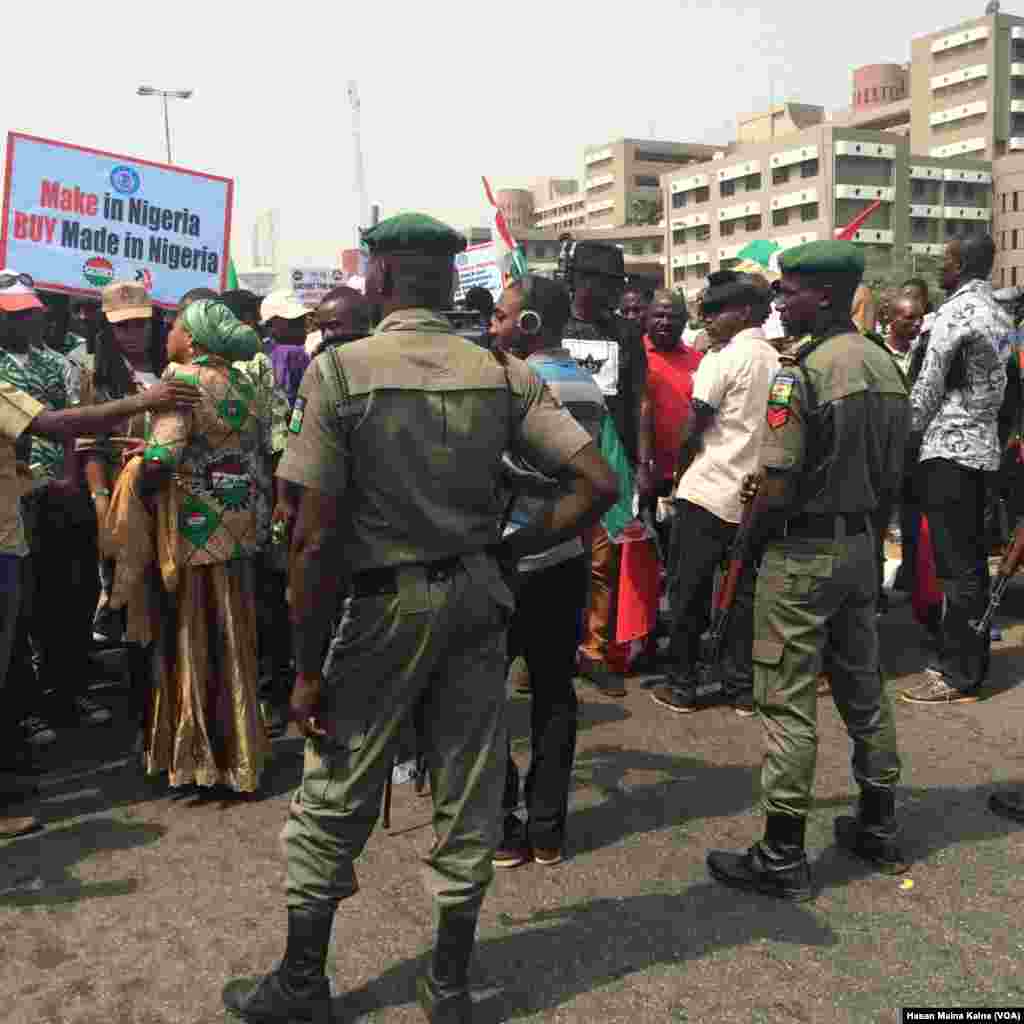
(551, 957)
(37, 870)
(690, 788)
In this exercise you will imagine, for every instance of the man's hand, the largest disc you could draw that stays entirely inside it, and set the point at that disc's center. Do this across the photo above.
(166, 395)
(750, 486)
(305, 710)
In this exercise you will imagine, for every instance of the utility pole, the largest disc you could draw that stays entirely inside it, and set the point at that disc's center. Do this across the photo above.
(359, 181)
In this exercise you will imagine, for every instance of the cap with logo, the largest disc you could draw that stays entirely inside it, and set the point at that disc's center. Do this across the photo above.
(418, 232)
(283, 303)
(17, 292)
(126, 300)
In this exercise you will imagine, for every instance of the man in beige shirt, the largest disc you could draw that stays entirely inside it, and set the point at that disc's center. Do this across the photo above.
(721, 445)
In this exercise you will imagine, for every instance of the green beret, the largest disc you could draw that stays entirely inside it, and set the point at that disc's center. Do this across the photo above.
(415, 231)
(829, 257)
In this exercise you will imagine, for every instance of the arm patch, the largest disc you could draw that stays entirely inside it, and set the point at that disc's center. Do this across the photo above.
(779, 398)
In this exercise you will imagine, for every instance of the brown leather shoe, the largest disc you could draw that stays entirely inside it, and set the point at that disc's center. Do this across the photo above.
(12, 827)
(548, 857)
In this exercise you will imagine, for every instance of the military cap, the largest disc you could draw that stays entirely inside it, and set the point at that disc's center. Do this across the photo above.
(415, 231)
(827, 257)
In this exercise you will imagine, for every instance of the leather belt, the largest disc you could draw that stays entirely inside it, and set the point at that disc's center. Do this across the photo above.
(375, 582)
(821, 528)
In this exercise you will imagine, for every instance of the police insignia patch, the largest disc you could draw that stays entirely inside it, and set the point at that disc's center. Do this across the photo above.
(295, 423)
(778, 416)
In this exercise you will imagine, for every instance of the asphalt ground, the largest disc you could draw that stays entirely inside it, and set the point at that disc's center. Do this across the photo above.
(136, 904)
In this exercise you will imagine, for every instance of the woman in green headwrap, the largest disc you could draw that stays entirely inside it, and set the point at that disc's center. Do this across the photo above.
(203, 724)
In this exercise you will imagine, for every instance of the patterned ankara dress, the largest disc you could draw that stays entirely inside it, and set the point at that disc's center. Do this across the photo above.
(202, 725)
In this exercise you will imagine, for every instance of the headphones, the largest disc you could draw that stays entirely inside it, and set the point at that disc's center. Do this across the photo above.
(530, 322)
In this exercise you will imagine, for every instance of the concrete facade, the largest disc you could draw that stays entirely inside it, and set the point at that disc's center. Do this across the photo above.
(801, 188)
(967, 89)
(1008, 209)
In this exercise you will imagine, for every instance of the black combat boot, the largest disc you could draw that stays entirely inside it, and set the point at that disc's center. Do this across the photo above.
(775, 866)
(872, 834)
(298, 990)
(443, 992)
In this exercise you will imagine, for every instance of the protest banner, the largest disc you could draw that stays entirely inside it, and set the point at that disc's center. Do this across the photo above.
(311, 284)
(478, 266)
(77, 219)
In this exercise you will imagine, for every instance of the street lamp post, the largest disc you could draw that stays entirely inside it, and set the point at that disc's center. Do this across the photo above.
(165, 94)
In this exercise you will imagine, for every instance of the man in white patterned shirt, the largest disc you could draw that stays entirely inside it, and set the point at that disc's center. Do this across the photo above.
(956, 402)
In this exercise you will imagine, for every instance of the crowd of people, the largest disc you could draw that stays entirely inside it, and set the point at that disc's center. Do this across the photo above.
(356, 518)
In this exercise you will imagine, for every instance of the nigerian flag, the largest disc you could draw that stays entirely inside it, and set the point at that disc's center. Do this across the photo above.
(231, 277)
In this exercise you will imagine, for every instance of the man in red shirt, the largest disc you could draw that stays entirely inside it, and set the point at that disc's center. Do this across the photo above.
(670, 368)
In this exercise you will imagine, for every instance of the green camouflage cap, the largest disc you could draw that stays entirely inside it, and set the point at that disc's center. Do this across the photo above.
(413, 231)
(830, 257)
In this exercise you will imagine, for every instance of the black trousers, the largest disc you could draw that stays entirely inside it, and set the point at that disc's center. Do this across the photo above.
(953, 499)
(700, 542)
(275, 632)
(545, 631)
(64, 594)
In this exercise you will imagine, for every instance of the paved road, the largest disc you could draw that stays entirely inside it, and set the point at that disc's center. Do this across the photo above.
(135, 905)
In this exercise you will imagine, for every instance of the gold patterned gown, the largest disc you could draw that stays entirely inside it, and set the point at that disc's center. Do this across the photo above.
(202, 724)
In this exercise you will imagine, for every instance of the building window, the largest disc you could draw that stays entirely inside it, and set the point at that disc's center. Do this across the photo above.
(1016, 207)
(702, 195)
(754, 223)
(809, 169)
(727, 227)
(752, 183)
(661, 158)
(780, 175)
(916, 189)
(1013, 242)
(702, 233)
(679, 238)
(780, 218)
(1002, 242)
(727, 188)
(1013, 277)
(646, 181)
(1002, 277)
(809, 211)
(1004, 202)
(678, 200)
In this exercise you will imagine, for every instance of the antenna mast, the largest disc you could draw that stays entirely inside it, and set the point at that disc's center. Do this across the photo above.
(359, 181)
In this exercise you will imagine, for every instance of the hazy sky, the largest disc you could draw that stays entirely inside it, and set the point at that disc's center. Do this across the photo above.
(450, 90)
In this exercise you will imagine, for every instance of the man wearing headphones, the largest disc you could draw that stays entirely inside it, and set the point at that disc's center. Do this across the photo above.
(595, 273)
(528, 322)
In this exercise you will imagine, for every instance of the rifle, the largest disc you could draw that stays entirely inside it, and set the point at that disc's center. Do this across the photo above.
(1009, 565)
(712, 643)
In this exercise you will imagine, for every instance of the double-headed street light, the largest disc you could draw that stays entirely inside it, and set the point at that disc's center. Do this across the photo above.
(165, 94)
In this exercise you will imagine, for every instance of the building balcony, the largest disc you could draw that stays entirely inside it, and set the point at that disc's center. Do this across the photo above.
(927, 173)
(789, 241)
(970, 74)
(739, 211)
(869, 192)
(694, 220)
(739, 170)
(926, 248)
(689, 184)
(952, 114)
(1017, 106)
(969, 175)
(600, 181)
(967, 213)
(874, 150)
(791, 199)
(597, 156)
(965, 38)
(601, 207)
(975, 145)
(793, 156)
(932, 212)
(1017, 70)
(730, 252)
(1015, 143)
(872, 236)
(691, 259)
